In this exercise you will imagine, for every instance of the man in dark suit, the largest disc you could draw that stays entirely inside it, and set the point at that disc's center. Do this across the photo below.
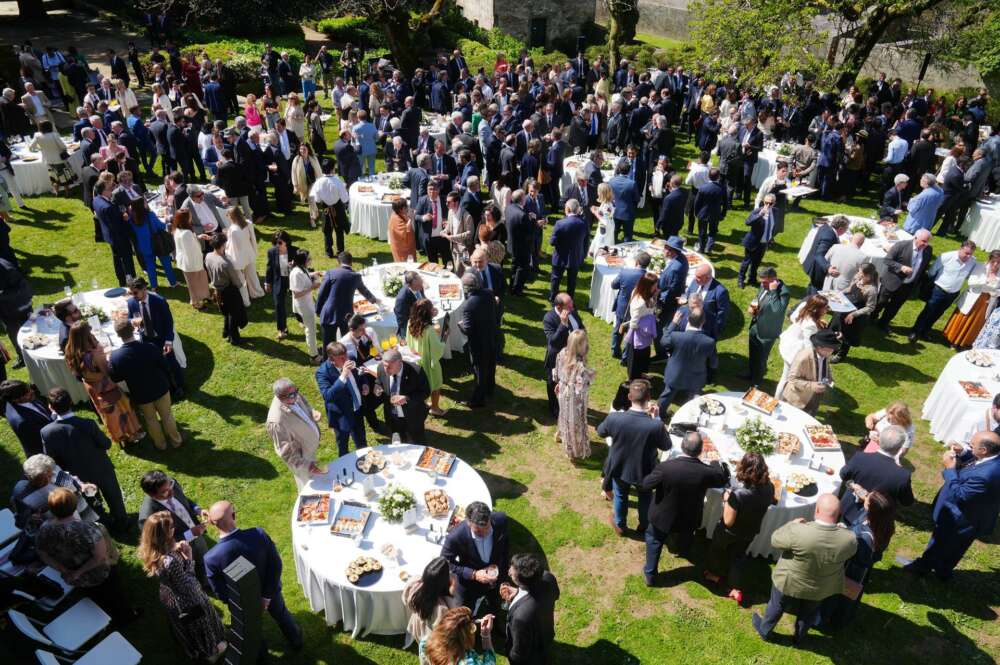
(521, 233)
(79, 447)
(431, 216)
(443, 168)
(473, 549)
(672, 284)
(678, 487)
(816, 265)
(894, 199)
(637, 437)
(692, 357)
(756, 240)
(731, 162)
(714, 298)
(709, 208)
(671, 218)
(335, 299)
(180, 148)
(412, 291)
(585, 193)
(965, 507)
(480, 326)
(767, 312)
(164, 493)
(898, 273)
(343, 389)
(530, 615)
(348, 163)
(115, 231)
(279, 166)
(954, 194)
(557, 323)
(878, 471)
(623, 284)
(255, 546)
(151, 317)
(26, 414)
(215, 98)
(119, 67)
(403, 387)
(416, 180)
(627, 194)
(921, 158)
(158, 130)
(146, 373)
(409, 122)
(752, 141)
(440, 101)
(569, 248)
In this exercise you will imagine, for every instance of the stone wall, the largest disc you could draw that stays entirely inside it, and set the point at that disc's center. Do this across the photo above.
(668, 18)
(563, 17)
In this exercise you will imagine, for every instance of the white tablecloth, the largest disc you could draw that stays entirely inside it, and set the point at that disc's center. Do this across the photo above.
(570, 165)
(767, 160)
(321, 557)
(385, 323)
(436, 125)
(46, 364)
(602, 296)
(32, 177)
(369, 213)
(875, 247)
(953, 415)
(982, 225)
(786, 418)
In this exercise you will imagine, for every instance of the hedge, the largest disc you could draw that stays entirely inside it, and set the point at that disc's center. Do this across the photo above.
(356, 30)
(479, 55)
(240, 55)
(645, 56)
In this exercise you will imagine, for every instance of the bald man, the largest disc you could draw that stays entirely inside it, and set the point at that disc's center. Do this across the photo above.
(256, 547)
(811, 567)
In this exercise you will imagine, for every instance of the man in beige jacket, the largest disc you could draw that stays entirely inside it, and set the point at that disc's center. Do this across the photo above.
(37, 105)
(294, 428)
(809, 374)
(811, 567)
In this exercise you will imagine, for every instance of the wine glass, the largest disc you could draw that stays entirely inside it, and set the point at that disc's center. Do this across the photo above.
(450, 267)
(93, 283)
(68, 291)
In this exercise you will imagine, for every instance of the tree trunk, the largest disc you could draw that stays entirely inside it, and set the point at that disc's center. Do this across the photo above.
(623, 16)
(31, 10)
(397, 34)
(424, 20)
(614, 43)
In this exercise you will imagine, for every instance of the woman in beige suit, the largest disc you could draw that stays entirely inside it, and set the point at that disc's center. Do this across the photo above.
(52, 148)
(459, 232)
(809, 375)
(294, 428)
(305, 171)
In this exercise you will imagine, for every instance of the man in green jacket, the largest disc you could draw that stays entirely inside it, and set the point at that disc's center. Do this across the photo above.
(811, 567)
(767, 312)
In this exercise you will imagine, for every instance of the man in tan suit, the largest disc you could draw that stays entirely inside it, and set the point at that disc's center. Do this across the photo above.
(36, 105)
(811, 567)
(809, 374)
(294, 428)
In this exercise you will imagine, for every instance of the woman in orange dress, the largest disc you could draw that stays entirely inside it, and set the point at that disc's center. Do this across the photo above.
(974, 306)
(402, 238)
(85, 358)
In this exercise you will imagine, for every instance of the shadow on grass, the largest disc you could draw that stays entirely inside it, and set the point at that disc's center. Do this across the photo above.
(601, 652)
(201, 457)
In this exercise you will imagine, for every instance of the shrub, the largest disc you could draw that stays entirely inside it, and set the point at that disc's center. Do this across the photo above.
(356, 30)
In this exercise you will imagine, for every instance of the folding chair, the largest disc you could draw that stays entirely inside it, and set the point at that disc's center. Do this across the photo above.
(112, 650)
(68, 631)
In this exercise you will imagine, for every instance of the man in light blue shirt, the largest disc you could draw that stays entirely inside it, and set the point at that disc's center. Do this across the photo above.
(922, 209)
(950, 272)
(897, 149)
(365, 134)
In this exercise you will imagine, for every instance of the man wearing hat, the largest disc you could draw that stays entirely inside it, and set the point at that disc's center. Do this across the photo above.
(894, 199)
(767, 314)
(809, 374)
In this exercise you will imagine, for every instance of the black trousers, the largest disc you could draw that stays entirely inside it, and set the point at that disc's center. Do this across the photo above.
(234, 313)
(550, 392)
(438, 250)
(409, 431)
(333, 332)
(484, 368)
(124, 265)
(334, 219)
(521, 276)
(779, 603)
(751, 261)
(13, 321)
(557, 273)
(747, 188)
(759, 352)
(889, 304)
(280, 298)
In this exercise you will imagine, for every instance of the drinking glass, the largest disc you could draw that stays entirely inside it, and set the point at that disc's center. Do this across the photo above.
(93, 283)
(68, 290)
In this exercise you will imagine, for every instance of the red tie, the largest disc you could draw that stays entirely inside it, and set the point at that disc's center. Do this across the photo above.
(434, 222)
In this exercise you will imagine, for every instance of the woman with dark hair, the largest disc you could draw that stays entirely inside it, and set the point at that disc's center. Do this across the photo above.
(279, 258)
(493, 236)
(425, 338)
(863, 294)
(145, 226)
(428, 598)
(641, 327)
(807, 319)
(453, 640)
(873, 530)
(742, 513)
(314, 118)
(302, 282)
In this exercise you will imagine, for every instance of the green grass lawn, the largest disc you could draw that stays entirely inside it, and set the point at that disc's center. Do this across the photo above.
(606, 616)
(659, 41)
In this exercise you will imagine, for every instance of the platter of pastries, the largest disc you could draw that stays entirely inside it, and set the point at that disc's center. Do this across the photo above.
(314, 508)
(760, 400)
(797, 481)
(821, 437)
(430, 266)
(371, 462)
(432, 459)
(351, 519)
(449, 291)
(694, 260)
(364, 308)
(615, 261)
(978, 358)
(788, 444)
(366, 189)
(975, 390)
(389, 197)
(709, 453)
(711, 406)
(437, 502)
(364, 571)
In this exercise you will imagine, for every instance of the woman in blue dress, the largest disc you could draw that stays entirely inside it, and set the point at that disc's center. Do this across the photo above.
(145, 224)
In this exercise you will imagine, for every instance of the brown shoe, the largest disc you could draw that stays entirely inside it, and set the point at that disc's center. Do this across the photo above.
(618, 530)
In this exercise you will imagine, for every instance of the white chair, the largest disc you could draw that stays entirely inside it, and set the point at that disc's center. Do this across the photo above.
(68, 631)
(8, 531)
(49, 604)
(112, 650)
(6, 566)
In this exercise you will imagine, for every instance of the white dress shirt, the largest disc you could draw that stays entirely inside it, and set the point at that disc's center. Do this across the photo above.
(329, 190)
(953, 272)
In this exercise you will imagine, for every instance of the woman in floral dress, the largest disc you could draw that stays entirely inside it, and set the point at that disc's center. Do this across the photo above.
(192, 617)
(86, 360)
(573, 379)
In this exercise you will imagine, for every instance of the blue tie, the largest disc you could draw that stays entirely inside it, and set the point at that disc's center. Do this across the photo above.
(355, 397)
(768, 223)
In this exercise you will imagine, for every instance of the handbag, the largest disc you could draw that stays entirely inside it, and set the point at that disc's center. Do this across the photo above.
(543, 176)
(163, 243)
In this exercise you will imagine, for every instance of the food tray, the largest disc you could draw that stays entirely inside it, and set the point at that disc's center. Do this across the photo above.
(975, 390)
(314, 508)
(366, 189)
(391, 198)
(371, 462)
(351, 519)
(694, 260)
(358, 576)
(614, 261)
(365, 308)
(430, 266)
(709, 453)
(760, 400)
(437, 460)
(821, 437)
(979, 359)
(711, 407)
(788, 443)
(437, 502)
(449, 291)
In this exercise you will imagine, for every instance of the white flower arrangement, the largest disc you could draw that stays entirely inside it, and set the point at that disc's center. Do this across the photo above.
(753, 436)
(864, 228)
(87, 311)
(391, 284)
(394, 503)
(396, 182)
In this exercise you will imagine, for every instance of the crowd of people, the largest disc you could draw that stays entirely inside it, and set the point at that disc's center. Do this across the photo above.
(483, 199)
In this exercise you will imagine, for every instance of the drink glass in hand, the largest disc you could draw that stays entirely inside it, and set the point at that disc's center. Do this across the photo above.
(493, 573)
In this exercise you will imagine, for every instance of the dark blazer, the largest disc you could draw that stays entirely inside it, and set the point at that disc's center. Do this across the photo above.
(692, 356)
(158, 128)
(413, 384)
(556, 334)
(709, 202)
(531, 623)
(496, 280)
(816, 264)
(448, 167)
(409, 125)
(159, 311)
(969, 498)
(479, 324)
(626, 196)
(766, 325)
(521, 231)
(27, 423)
(624, 283)
(151, 505)
(114, 229)
(79, 447)
(460, 551)
(569, 242)
(335, 300)
(873, 471)
(180, 150)
(573, 192)
(671, 218)
(143, 369)
(679, 487)
(716, 306)
(899, 255)
(756, 220)
(234, 179)
(754, 144)
(637, 439)
(892, 200)
(256, 547)
(272, 274)
(921, 158)
(472, 203)
(340, 412)
(348, 164)
(416, 179)
(404, 303)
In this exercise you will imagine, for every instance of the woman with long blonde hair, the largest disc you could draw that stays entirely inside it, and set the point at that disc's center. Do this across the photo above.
(573, 379)
(242, 251)
(192, 617)
(604, 210)
(453, 640)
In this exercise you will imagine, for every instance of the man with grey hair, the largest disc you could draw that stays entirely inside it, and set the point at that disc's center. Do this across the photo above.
(898, 273)
(41, 476)
(294, 428)
(569, 247)
(921, 210)
(878, 471)
(412, 291)
(404, 390)
(480, 326)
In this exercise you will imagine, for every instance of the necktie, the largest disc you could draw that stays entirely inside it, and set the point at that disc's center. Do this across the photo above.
(593, 125)
(355, 396)
(768, 227)
(486, 278)
(440, 166)
(583, 196)
(147, 321)
(434, 221)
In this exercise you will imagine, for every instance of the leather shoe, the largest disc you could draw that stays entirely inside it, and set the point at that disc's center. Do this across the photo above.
(18, 364)
(650, 580)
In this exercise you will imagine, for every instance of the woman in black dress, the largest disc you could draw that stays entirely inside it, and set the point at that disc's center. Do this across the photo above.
(742, 513)
(279, 265)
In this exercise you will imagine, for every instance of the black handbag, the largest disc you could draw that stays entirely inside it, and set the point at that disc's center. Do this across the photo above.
(163, 243)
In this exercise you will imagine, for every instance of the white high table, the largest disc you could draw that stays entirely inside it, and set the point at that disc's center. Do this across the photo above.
(982, 225)
(572, 163)
(321, 557)
(369, 212)
(953, 415)
(875, 247)
(602, 296)
(32, 176)
(786, 418)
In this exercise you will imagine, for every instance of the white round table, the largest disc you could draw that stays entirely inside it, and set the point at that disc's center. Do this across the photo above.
(32, 176)
(371, 204)
(982, 225)
(321, 557)
(572, 163)
(786, 418)
(384, 322)
(875, 247)
(953, 414)
(436, 126)
(602, 296)
(46, 364)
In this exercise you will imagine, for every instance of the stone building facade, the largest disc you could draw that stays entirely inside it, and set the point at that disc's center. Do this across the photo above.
(536, 22)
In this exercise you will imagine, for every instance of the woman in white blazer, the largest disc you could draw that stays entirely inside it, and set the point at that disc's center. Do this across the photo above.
(303, 177)
(242, 251)
(190, 259)
(807, 319)
(52, 148)
(125, 96)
